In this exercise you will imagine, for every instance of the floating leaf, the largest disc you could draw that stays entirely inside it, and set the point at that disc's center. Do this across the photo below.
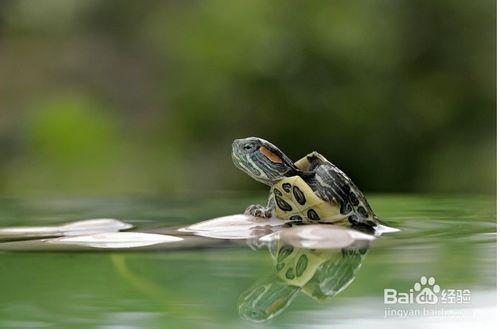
(116, 240)
(89, 226)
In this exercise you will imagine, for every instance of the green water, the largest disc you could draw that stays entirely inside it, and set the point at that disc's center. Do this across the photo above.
(452, 239)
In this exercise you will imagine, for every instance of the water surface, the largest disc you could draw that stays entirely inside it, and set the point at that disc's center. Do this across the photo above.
(452, 239)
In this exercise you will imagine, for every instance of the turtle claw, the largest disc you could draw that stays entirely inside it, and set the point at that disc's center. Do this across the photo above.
(258, 211)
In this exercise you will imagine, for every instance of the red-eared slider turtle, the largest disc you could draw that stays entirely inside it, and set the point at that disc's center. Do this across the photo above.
(311, 190)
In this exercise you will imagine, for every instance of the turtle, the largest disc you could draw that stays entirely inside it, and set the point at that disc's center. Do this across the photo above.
(318, 273)
(310, 190)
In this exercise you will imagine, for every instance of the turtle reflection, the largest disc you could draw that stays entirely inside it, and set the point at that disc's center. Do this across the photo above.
(319, 273)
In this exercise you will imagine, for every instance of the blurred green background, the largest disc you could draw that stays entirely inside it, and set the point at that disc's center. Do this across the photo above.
(117, 97)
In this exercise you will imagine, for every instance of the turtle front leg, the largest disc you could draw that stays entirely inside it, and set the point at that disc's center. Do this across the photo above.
(257, 210)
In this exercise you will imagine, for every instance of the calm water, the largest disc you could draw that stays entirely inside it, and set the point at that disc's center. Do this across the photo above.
(452, 239)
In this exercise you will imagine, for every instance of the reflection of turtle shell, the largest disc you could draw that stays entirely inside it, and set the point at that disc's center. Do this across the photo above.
(320, 274)
(297, 266)
(335, 274)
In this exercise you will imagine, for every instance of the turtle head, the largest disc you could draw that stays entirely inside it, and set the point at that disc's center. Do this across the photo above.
(262, 160)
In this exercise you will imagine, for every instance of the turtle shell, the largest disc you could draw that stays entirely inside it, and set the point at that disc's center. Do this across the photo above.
(296, 201)
(335, 199)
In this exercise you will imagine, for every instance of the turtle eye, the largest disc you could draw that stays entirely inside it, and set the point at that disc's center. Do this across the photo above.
(247, 146)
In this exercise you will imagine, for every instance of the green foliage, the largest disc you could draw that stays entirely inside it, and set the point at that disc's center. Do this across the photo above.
(70, 130)
(401, 95)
